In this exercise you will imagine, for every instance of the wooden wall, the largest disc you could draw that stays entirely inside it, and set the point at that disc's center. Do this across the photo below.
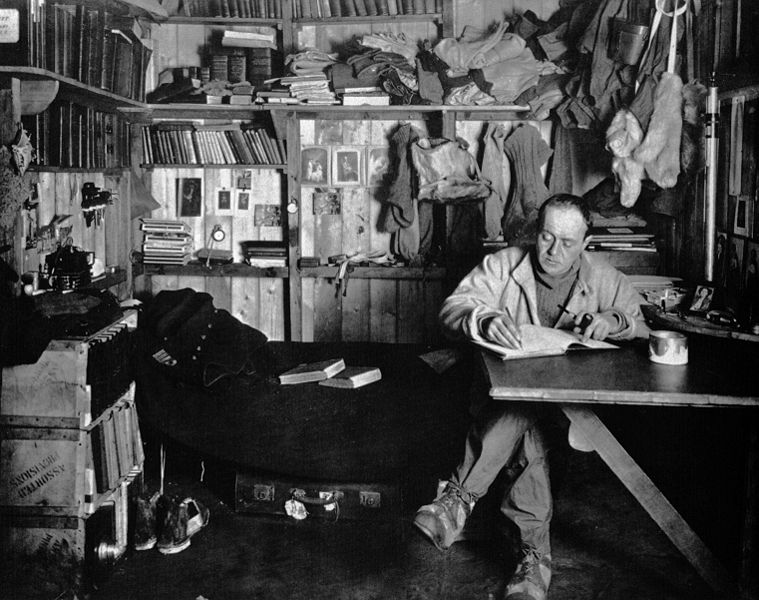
(259, 303)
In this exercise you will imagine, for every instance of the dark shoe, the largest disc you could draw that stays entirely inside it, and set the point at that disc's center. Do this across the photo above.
(144, 537)
(443, 520)
(179, 521)
(531, 578)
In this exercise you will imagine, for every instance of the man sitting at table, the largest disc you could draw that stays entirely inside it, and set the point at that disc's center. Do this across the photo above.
(509, 288)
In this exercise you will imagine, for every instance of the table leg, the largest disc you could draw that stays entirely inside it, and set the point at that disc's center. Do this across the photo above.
(749, 577)
(651, 499)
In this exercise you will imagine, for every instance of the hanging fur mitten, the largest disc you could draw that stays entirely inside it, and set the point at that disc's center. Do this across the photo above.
(624, 134)
(659, 151)
(691, 150)
(629, 172)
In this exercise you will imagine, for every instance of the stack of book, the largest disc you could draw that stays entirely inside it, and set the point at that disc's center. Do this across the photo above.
(326, 9)
(246, 9)
(264, 253)
(177, 142)
(166, 242)
(631, 239)
(259, 37)
(310, 89)
(365, 96)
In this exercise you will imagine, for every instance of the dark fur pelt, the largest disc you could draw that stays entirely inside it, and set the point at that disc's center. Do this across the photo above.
(691, 144)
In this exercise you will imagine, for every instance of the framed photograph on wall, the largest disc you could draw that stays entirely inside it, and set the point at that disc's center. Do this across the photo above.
(267, 215)
(720, 258)
(346, 167)
(377, 165)
(189, 197)
(314, 166)
(243, 201)
(224, 200)
(743, 216)
(702, 298)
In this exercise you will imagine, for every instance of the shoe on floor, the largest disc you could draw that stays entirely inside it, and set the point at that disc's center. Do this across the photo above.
(531, 578)
(144, 537)
(444, 518)
(179, 521)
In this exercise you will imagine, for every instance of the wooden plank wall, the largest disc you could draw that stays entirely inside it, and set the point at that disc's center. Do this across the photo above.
(60, 193)
(385, 310)
(258, 302)
(483, 13)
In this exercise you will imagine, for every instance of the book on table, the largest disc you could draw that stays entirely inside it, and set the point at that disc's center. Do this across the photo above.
(540, 341)
(313, 371)
(353, 377)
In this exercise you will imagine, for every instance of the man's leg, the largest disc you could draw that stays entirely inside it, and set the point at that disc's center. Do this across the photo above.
(492, 442)
(529, 505)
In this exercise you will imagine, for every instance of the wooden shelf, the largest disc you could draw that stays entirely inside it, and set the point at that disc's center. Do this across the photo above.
(199, 269)
(393, 19)
(361, 113)
(110, 279)
(189, 110)
(113, 171)
(211, 166)
(71, 89)
(330, 272)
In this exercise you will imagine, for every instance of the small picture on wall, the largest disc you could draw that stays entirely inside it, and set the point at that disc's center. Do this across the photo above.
(189, 197)
(743, 216)
(734, 271)
(267, 215)
(329, 132)
(314, 166)
(377, 166)
(243, 201)
(720, 256)
(346, 167)
(752, 272)
(327, 203)
(243, 180)
(224, 200)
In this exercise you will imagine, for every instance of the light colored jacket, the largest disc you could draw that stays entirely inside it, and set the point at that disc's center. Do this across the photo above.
(505, 282)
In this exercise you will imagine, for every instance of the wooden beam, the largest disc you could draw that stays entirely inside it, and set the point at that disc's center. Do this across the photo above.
(651, 499)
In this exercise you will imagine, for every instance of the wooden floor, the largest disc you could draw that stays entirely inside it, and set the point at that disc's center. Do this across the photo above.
(604, 545)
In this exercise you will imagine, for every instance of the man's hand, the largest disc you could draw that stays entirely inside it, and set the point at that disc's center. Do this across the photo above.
(503, 330)
(601, 326)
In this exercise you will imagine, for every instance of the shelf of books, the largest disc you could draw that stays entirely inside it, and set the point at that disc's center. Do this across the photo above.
(307, 10)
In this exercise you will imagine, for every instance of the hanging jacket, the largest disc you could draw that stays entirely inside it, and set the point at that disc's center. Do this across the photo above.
(496, 169)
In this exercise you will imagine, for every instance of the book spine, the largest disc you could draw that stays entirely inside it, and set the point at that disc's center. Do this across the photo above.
(360, 8)
(382, 7)
(349, 8)
(392, 7)
(429, 6)
(335, 8)
(408, 7)
(371, 7)
(419, 7)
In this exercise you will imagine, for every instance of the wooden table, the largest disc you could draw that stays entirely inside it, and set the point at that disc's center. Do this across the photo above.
(720, 373)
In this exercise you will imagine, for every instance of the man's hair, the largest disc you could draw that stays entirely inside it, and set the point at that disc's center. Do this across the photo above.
(565, 201)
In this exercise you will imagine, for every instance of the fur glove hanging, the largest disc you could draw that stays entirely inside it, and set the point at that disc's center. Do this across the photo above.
(624, 134)
(629, 172)
(691, 154)
(659, 151)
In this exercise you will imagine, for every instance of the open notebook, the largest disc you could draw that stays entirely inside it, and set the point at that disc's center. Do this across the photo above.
(545, 341)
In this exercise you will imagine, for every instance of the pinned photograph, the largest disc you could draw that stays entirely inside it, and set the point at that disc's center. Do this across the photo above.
(743, 216)
(189, 197)
(329, 131)
(720, 258)
(702, 298)
(224, 200)
(314, 166)
(243, 179)
(267, 215)
(243, 201)
(377, 166)
(327, 203)
(346, 167)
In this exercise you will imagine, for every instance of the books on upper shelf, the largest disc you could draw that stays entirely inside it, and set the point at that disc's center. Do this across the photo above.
(248, 9)
(199, 144)
(353, 377)
(313, 371)
(540, 341)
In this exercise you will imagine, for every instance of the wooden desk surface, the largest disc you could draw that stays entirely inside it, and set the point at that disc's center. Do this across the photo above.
(719, 373)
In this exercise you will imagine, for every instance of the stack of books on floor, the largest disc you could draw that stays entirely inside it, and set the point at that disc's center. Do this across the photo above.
(166, 242)
(630, 239)
(310, 89)
(264, 253)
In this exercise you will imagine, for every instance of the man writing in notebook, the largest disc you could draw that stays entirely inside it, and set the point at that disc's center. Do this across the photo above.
(543, 285)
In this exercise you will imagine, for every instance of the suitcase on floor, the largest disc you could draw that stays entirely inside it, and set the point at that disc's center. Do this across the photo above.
(303, 499)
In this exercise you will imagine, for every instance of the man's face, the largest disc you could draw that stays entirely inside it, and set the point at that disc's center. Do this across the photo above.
(561, 239)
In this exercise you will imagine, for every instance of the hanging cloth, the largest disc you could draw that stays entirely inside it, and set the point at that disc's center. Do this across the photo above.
(496, 169)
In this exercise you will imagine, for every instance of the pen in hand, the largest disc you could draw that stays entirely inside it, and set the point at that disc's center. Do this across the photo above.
(586, 320)
(516, 327)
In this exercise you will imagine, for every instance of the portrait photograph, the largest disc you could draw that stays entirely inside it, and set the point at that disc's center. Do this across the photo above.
(329, 131)
(346, 167)
(189, 197)
(377, 166)
(314, 166)
(224, 200)
(243, 201)
(743, 216)
(702, 298)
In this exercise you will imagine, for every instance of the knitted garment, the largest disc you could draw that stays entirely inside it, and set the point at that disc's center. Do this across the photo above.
(527, 152)
(399, 212)
(496, 169)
